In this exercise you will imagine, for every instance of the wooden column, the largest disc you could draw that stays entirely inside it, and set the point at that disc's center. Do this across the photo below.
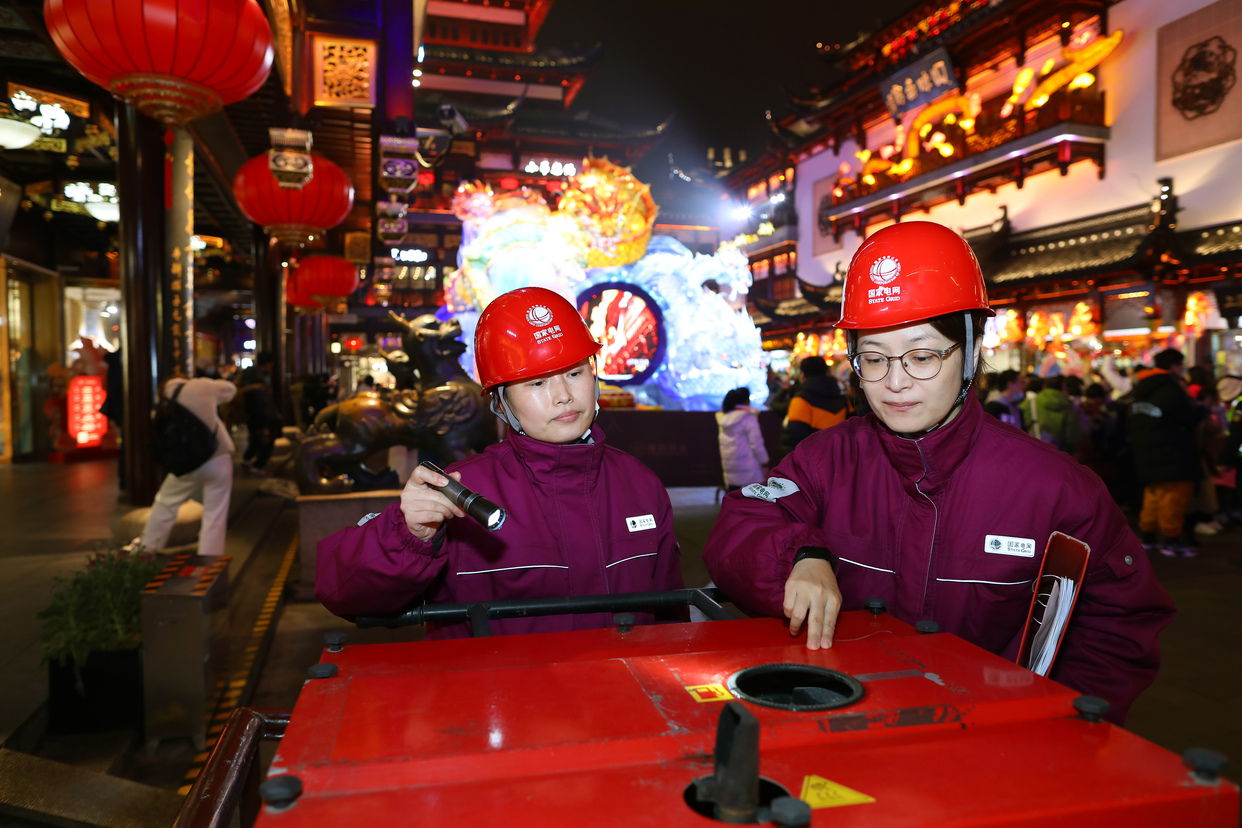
(140, 185)
(178, 295)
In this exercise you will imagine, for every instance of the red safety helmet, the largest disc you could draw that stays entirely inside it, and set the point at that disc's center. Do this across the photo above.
(909, 272)
(528, 332)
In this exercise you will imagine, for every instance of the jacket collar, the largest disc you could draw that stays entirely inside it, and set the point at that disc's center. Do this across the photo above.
(930, 460)
(548, 463)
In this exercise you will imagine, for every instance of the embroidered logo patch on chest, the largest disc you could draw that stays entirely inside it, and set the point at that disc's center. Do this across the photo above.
(1005, 545)
(640, 522)
(776, 488)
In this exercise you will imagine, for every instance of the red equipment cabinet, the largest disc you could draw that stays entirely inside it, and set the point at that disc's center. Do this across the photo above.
(603, 727)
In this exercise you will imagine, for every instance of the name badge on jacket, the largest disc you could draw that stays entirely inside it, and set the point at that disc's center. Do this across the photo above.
(640, 522)
(1005, 545)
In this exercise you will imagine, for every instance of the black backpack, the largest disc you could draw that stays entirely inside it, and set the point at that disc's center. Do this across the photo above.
(179, 440)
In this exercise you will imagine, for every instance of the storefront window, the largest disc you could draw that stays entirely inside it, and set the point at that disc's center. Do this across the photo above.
(92, 325)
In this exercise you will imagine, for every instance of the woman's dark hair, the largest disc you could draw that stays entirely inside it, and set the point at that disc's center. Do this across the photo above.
(736, 397)
(1073, 386)
(1034, 384)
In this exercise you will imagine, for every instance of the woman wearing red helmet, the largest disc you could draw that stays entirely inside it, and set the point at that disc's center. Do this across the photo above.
(582, 518)
(927, 503)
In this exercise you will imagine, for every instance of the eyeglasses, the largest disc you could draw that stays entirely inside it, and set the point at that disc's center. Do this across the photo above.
(920, 364)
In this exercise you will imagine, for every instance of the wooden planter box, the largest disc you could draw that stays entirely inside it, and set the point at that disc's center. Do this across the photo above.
(113, 700)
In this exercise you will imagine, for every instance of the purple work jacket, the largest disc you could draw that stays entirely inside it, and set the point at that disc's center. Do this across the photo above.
(583, 519)
(915, 522)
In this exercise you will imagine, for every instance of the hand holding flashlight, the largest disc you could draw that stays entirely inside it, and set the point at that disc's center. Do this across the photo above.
(474, 504)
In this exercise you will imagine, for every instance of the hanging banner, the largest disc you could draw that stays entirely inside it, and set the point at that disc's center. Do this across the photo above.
(920, 83)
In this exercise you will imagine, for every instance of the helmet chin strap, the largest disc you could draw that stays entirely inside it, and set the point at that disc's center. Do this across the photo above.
(968, 374)
(500, 407)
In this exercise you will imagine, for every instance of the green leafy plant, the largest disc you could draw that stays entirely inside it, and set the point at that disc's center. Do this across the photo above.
(97, 609)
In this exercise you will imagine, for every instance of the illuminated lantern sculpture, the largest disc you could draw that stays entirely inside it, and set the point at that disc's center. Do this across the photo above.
(613, 208)
(1198, 309)
(1082, 323)
(328, 280)
(1037, 330)
(294, 216)
(173, 61)
(1013, 331)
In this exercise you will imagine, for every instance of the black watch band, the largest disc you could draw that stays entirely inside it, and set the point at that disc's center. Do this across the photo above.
(818, 553)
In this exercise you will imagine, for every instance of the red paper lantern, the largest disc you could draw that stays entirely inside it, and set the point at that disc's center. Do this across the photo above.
(298, 297)
(327, 276)
(174, 60)
(294, 216)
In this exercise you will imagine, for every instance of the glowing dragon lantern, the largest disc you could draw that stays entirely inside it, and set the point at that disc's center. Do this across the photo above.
(613, 208)
(173, 61)
(328, 280)
(294, 216)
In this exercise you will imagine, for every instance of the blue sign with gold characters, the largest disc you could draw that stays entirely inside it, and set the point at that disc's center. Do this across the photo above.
(920, 83)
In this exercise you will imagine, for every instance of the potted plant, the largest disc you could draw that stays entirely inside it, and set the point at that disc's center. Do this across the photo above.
(91, 636)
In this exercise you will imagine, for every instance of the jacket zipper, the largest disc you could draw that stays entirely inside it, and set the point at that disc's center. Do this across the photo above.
(935, 525)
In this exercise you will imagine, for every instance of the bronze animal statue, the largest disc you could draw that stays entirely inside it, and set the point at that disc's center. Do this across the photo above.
(437, 409)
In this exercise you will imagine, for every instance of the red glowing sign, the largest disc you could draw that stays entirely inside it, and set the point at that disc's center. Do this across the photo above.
(629, 325)
(87, 426)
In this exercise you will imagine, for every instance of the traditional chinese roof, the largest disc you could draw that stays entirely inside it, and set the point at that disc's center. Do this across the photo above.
(560, 125)
(1208, 245)
(824, 297)
(1099, 244)
(548, 60)
(814, 301)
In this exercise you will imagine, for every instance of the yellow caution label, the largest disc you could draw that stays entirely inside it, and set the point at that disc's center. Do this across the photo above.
(819, 792)
(709, 692)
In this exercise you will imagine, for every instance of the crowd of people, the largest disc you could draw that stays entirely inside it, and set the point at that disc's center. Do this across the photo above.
(1165, 440)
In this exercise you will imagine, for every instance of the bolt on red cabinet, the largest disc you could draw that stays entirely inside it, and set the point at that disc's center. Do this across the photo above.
(612, 728)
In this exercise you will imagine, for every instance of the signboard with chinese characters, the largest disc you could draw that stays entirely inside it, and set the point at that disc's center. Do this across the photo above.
(87, 426)
(920, 83)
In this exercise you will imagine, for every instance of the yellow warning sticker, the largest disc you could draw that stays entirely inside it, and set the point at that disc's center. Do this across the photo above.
(819, 792)
(709, 692)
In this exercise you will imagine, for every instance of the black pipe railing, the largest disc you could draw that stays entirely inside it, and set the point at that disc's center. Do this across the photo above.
(231, 776)
(706, 600)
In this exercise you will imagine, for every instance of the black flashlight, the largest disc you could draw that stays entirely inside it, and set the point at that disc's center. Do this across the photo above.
(472, 503)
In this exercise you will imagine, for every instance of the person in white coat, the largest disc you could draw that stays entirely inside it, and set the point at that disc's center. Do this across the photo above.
(214, 478)
(742, 453)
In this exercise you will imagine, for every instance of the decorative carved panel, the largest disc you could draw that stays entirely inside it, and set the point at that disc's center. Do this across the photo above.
(343, 71)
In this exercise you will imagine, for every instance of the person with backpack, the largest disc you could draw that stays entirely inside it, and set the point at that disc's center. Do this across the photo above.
(176, 441)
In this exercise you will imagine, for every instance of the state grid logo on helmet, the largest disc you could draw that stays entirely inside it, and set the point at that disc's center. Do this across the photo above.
(883, 272)
(538, 316)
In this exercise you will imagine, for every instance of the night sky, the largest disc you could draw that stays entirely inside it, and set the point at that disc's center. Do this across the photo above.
(717, 64)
